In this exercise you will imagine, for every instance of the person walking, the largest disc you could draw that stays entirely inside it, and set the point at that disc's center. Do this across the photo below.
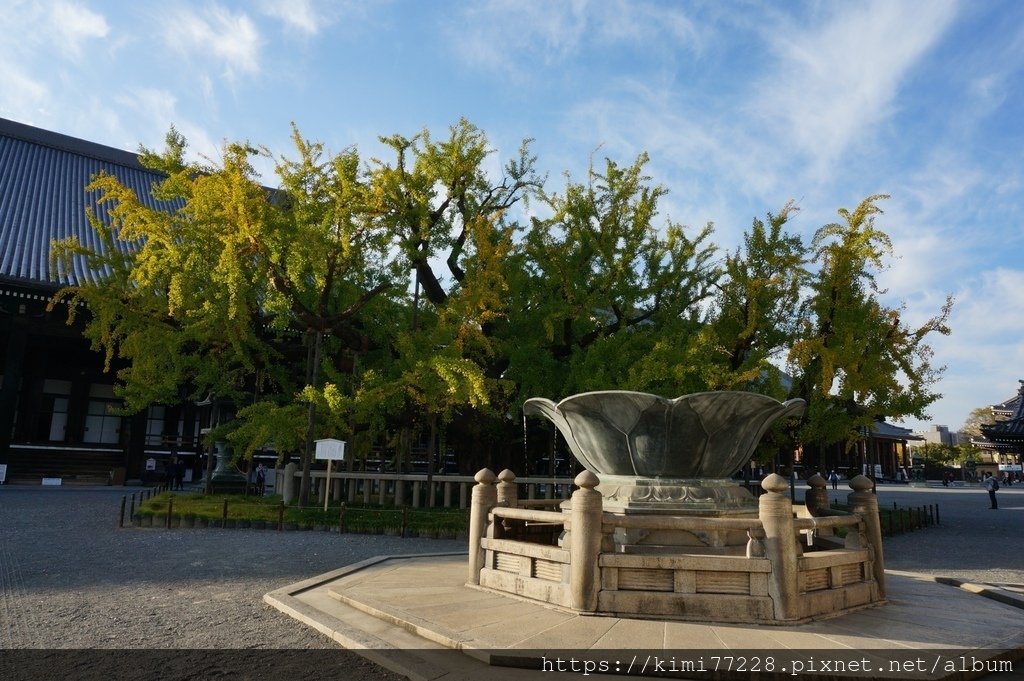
(261, 479)
(834, 479)
(992, 486)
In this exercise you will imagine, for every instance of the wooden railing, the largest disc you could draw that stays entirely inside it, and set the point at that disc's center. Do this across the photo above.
(416, 489)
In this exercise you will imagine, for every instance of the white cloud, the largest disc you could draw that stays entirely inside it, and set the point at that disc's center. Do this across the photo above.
(834, 81)
(230, 39)
(156, 111)
(24, 98)
(296, 14)
(984, 352)
(73, 24)
(508, 35)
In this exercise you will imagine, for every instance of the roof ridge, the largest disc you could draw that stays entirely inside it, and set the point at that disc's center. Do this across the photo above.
(74, 145)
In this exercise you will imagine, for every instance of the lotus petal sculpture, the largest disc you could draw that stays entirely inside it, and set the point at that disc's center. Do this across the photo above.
(625, 433)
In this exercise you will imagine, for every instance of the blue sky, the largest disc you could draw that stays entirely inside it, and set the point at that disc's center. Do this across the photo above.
(741, 105)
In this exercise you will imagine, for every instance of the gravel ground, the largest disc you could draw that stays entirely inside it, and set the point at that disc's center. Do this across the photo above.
(971, 542)
(70, 579)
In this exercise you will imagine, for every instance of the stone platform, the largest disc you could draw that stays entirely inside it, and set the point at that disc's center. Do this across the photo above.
(415, 616)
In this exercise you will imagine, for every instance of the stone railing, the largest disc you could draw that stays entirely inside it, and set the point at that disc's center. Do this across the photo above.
(567, 558)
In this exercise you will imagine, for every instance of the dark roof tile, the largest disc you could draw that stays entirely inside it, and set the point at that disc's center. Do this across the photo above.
(43, 176)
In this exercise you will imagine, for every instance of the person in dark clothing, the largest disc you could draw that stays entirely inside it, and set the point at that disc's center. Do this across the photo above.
(179, 474)
(261, 479)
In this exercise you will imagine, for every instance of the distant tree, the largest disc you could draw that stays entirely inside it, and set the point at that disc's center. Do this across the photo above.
(980, 416)
(937, 454)
(854, 359)
(967, 453)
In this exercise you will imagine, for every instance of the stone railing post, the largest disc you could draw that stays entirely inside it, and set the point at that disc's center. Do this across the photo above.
(816, 499)
(781, 548)
(865, 503)
(508, 490)
(585, 543)
(485, 497)
(288, 483)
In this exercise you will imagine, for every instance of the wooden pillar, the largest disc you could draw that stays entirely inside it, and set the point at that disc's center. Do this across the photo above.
(14, 360)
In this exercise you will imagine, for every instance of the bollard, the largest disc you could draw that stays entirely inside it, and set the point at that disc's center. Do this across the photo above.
(816, 498)
(508, 491)
(120, 522)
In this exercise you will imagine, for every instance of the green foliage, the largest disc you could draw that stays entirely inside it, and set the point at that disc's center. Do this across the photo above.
(755, 311)
(610, 295)
(938, 455)
(374, 301)
(854, 360)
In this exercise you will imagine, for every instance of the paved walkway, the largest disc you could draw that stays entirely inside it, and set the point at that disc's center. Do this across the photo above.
(410, 614)
(69, 578)
(415, 616)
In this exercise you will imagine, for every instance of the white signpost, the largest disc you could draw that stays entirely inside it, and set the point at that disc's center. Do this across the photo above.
(330, 450)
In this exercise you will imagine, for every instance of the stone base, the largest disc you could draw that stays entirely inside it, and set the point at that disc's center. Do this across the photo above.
(707, 498)
(227, 482)
(676, 496)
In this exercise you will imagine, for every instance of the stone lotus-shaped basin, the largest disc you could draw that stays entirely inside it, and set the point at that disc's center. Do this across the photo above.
(625, 433)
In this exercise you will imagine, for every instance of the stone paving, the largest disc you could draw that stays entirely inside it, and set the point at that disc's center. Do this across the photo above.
(405, 612)
(70, 579)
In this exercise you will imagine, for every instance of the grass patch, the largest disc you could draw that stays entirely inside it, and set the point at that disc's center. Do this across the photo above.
(357, 517)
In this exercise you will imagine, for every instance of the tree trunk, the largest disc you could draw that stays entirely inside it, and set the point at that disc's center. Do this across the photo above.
(313, 374)
(431, 450)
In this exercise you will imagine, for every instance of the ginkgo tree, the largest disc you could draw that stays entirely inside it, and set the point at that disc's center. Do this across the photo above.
(209, 291)
(387, 299)
(854, 358)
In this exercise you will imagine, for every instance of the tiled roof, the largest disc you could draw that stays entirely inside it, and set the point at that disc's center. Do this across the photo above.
(1009, 406)
(43, 176)
(884, 430)
(1011, 430)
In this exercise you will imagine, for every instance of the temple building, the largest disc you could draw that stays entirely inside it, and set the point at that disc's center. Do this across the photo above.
(1004, 440)
(60, 419)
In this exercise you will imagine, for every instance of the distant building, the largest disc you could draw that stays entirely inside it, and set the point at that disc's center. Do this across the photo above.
(59, 415)
(940, 435)
(1004, 440)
